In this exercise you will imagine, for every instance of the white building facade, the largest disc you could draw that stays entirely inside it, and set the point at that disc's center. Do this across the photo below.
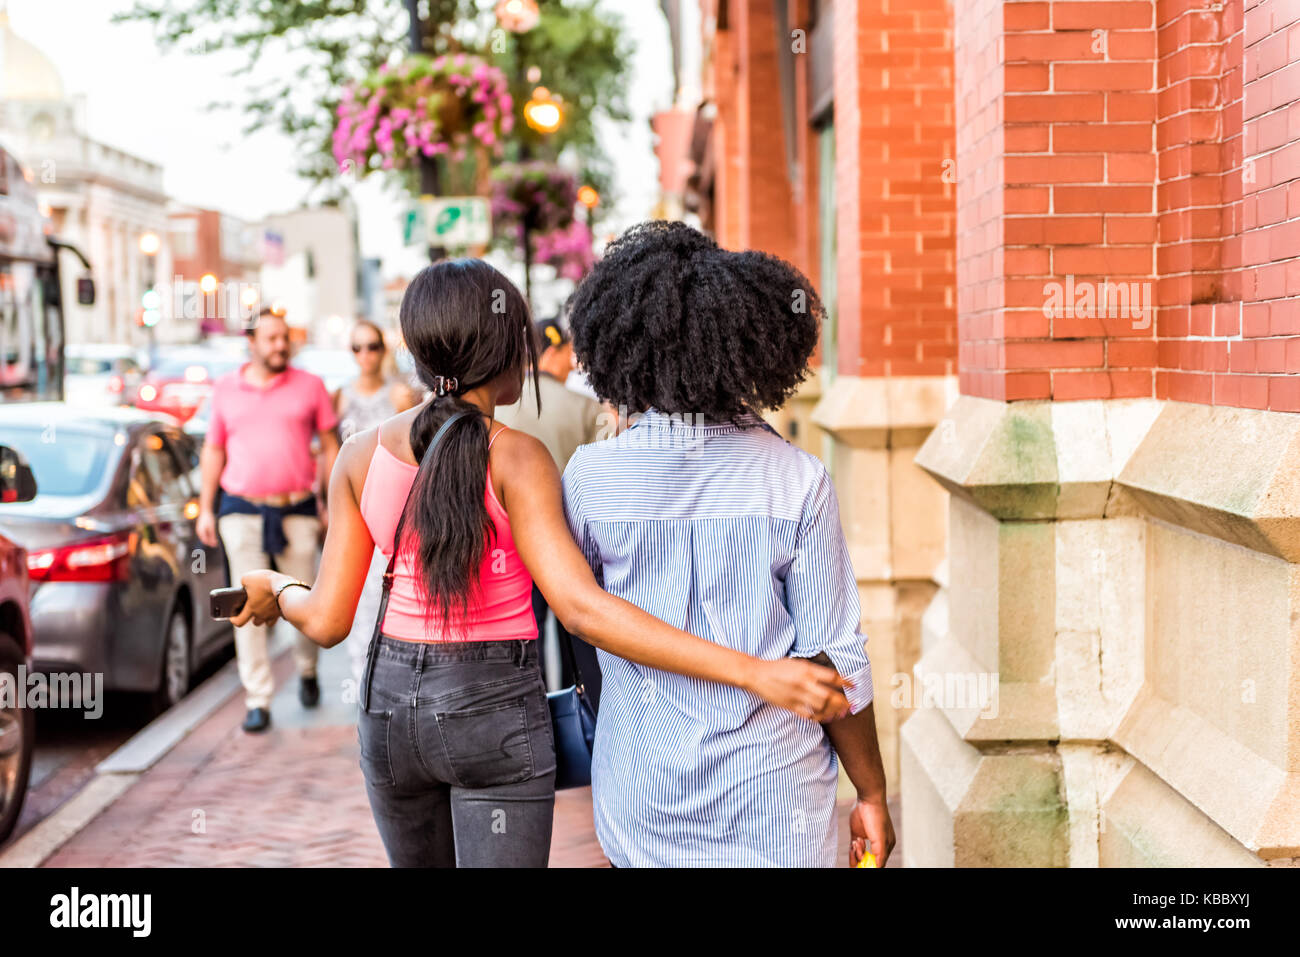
(99, 198)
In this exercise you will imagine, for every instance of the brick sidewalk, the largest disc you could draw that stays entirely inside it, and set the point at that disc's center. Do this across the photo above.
(291, 797)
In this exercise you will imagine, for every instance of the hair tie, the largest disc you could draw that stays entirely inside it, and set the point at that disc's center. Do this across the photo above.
(443, 385)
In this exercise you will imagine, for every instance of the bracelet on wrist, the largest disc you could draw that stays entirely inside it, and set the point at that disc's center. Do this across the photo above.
(300, 584)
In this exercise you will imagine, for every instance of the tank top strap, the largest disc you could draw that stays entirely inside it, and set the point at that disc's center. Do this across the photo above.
(498, 435)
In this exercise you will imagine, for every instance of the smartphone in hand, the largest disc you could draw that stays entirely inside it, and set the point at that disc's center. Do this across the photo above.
(227, 602)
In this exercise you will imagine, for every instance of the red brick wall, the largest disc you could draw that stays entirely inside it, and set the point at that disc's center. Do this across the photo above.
(896, 254)
(1057, 186)
(1253, 356)
(806, 249)
(1136, 142)
(207, 248)
(895, 157)
(753, 195)
(1198, 148)
(720, 82)
(981, 201)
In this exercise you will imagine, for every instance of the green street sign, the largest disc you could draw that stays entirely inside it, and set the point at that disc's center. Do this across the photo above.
(413, 231)
(457, 221)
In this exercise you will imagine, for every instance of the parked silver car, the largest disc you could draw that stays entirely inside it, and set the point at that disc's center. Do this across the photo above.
(119, 579)
(96, 374)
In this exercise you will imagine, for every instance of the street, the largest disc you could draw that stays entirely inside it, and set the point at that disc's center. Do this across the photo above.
(68, 746)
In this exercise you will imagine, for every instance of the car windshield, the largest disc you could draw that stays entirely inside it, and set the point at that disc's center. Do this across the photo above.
(174, 367)
(65, 461)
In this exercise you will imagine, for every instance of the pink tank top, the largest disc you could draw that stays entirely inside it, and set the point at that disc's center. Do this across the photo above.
(503, 610)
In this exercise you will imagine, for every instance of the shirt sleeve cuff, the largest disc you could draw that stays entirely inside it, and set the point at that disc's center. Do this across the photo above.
(862, 693)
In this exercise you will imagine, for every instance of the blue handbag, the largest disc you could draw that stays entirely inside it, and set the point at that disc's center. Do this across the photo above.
(573, 725)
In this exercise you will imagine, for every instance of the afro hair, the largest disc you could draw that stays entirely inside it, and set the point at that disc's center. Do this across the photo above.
(669, 320)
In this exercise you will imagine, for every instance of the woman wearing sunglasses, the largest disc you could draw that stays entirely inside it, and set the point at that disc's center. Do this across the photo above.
(373, 395)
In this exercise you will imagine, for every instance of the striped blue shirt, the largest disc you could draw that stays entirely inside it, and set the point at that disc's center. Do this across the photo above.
(733, 534)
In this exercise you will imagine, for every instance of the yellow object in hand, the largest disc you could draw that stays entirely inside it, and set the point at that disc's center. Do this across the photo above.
(868, 860)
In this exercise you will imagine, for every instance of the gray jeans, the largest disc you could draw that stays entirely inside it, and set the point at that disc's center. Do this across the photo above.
(457, 753)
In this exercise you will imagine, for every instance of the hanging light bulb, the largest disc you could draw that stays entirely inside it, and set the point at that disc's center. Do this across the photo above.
(542, 112)
(518, 16)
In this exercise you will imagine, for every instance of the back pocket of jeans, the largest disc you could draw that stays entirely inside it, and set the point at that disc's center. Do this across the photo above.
(488, 746)
(376, 760)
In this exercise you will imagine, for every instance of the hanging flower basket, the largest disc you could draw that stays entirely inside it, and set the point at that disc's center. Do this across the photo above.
(568, 250)
(540, 193)
(425, 106)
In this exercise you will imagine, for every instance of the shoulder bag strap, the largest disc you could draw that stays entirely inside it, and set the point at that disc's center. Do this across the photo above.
(392, 562)
(571, 659)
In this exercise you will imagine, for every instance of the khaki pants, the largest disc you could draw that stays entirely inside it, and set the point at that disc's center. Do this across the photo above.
(242, 536)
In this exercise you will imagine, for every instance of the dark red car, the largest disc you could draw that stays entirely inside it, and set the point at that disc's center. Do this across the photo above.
(179, 381)
(17, 722)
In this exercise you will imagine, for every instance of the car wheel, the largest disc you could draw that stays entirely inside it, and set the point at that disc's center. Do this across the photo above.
(17, 739)
(174, 681)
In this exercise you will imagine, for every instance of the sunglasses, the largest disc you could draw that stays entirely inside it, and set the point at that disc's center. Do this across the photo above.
(368, 347)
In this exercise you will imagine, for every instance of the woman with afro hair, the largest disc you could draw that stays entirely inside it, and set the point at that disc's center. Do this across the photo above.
(703, 516)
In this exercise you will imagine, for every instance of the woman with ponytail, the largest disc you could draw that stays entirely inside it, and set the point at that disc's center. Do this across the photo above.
(455, 733)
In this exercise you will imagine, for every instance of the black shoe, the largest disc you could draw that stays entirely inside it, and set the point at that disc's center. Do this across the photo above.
(309, 692)
(258, 719)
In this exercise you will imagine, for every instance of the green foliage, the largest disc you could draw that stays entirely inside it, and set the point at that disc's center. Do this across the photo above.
(301, 55)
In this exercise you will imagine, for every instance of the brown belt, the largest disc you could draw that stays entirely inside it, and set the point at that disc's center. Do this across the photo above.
(283, 500)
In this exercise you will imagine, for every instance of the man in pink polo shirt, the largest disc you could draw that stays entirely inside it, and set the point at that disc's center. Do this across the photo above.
(258, 454)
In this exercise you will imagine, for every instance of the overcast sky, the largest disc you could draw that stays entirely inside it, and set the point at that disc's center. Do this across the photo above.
(152, 105)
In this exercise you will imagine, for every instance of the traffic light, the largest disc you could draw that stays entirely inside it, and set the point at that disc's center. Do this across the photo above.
(151, 311)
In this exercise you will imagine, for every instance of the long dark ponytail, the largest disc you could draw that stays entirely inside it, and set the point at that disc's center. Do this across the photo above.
(464, 321)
